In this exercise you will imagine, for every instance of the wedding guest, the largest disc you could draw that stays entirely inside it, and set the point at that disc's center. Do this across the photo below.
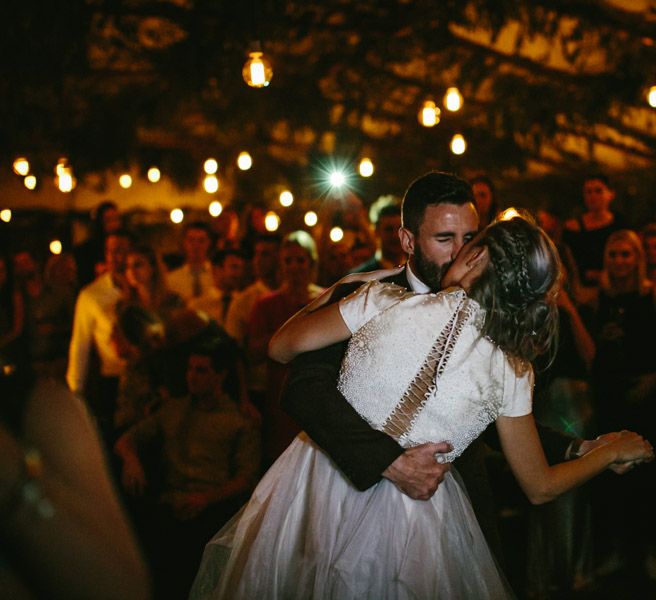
(385, 214)
(648, 236)
(195, 276)
(12, 312)
(485, 198)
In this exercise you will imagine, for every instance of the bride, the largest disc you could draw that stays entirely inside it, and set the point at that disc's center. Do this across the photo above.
(432, 367)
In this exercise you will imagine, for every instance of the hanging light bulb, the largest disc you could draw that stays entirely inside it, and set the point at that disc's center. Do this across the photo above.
(5, 215)
(244, 161)
(210, 166)
(336, 234)
(30, 182)
(651, 96)
(458, 144)
(176, 215)
(429, 114)
(154, 175)
(453, 99)
(215, 208)
(211, 184)
(62, 166)
(257, 71)
(125, 181)
(366, 167)
(286, 198)
(56, 247)
(65, 181)
(311, 218)
(271, 221)
(21, 166)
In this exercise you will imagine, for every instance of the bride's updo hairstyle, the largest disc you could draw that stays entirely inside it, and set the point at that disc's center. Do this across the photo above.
(518, 288)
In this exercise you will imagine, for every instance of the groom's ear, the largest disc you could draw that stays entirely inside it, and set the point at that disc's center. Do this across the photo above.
(407, 240)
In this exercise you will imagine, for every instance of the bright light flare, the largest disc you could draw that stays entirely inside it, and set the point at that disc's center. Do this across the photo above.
(337, 179)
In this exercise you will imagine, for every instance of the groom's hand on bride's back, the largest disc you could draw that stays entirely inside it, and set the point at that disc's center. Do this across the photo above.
(416, 472)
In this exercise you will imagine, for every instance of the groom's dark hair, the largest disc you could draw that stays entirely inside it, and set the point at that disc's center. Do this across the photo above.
(435, 187)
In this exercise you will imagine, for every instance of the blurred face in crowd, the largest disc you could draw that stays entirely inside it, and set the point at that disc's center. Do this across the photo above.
(597, 196)
(25, 266)
(202, 379)
(621, 260)
(230, 275)
(296, 265)
(116, 251)
(388, 232)
(138, 271)
(444, 230)
(196, 245)
(483, 197)
(265, 259)
(111, 220)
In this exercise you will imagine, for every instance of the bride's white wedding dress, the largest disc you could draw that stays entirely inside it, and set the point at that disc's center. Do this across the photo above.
(418, 369)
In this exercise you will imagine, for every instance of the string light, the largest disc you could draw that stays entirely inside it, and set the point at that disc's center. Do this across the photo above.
(651, 96)
(366, 167)
(30, 182)
(211, 184)
(337, 179)
(286, 198)
(56, 247)
(429, 114)
(215, 208)
(5, 215)
(453, 99)
(177, 215)
(257, 71)
(62, 167)
(154, 175)
(210, 166)
(311, 218)
(458, 144)
(244, 161)
(21, 166)
(125, 181)
(65, 181)
(336, 234)
(271, 221)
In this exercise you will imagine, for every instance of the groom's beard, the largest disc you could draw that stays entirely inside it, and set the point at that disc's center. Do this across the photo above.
(430, 273)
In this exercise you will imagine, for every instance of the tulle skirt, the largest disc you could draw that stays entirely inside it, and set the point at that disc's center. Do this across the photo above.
(307, 533)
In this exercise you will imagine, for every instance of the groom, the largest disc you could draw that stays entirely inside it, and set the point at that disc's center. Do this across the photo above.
(438, 218)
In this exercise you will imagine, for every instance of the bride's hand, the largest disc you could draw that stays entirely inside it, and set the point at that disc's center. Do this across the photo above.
(630, 446)
(371, 275)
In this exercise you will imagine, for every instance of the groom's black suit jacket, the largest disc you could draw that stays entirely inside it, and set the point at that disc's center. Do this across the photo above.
(311, 397)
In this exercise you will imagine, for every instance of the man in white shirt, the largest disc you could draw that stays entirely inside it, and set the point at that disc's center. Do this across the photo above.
(93, 323)
(194, 278)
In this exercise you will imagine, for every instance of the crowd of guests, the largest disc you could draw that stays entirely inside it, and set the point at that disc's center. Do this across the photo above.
(170, 358)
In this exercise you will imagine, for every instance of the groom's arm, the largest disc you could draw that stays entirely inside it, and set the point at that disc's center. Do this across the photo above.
(364, 455)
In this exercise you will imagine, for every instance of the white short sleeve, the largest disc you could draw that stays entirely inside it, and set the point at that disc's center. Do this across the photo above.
(369, 300)
(517, 392)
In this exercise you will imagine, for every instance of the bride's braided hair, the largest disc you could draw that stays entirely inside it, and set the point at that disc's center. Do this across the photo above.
(518, 288)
